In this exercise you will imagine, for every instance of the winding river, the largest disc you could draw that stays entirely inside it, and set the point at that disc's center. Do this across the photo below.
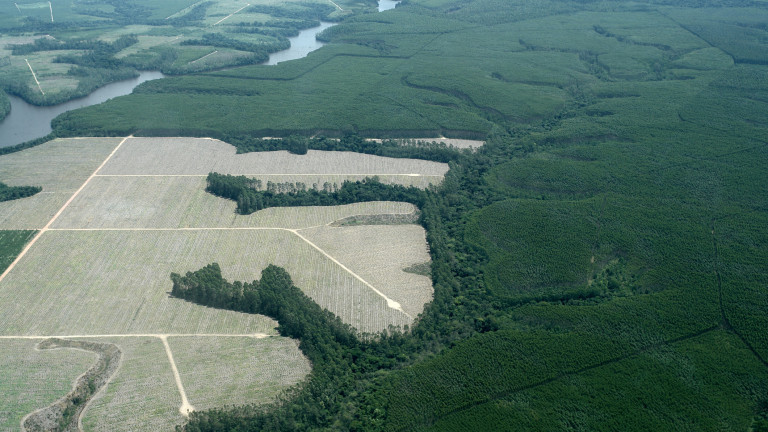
(27, 122)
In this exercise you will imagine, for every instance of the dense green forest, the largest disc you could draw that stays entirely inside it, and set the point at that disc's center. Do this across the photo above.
(249, 198)
(600, 264)
(412, 149)
(8, 193)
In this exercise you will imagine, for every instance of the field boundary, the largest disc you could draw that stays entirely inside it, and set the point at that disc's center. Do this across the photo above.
(277, 175)
(61, 210)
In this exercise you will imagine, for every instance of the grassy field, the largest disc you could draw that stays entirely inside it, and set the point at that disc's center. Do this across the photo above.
(34, 379)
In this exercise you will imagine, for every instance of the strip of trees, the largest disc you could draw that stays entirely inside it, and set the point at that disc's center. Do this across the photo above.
(249, 199)
(8, 193)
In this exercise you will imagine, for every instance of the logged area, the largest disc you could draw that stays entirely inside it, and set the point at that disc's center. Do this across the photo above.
(599, 263)
(131, 222)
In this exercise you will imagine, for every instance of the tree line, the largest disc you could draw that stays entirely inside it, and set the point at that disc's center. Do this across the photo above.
(8, 193)
(249, 198)
(336, 352)
(413, 149)
(347, 388)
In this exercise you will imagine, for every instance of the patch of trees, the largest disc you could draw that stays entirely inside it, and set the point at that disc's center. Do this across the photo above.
(336, 352)
(308, 11)
(89, 79)
(408, 149)
(45, 44)
(196, 14)
(249, 199)
(8, 193)
(275, 28)
(101, 55)
(347, 389)
(260, 50)
(125, 12)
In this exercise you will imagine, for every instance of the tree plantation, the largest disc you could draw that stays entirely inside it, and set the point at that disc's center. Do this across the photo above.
(299, 247)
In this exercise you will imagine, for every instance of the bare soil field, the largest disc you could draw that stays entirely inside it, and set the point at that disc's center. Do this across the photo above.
(181, 202)
(117, 216)
(33, 379)
(217, 370)
(378, 254)
(59, 167)
(190, 156)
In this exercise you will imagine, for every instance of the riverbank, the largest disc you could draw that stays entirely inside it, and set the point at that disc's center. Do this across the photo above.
(5, 105)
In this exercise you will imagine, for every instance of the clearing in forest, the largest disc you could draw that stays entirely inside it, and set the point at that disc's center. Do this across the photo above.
(117, 216)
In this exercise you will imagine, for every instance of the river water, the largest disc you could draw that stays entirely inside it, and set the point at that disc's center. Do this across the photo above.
(387, 4)
(301, 45)
(27, 122)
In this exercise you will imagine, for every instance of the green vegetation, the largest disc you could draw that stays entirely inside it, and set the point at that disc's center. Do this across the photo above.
(72, 48)
(249, 199)
(8, 193)
(11, 244)
(599, 264)
(420, 149)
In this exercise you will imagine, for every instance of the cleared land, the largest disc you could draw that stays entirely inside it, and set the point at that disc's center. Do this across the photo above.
(117, 282)
(450, 142)
(378, 254)
(32, 379)
(102, 268)
(59, 167)
(107, 282)
(142, 394)
(190, 156)
(216, 371)
(181, 202)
